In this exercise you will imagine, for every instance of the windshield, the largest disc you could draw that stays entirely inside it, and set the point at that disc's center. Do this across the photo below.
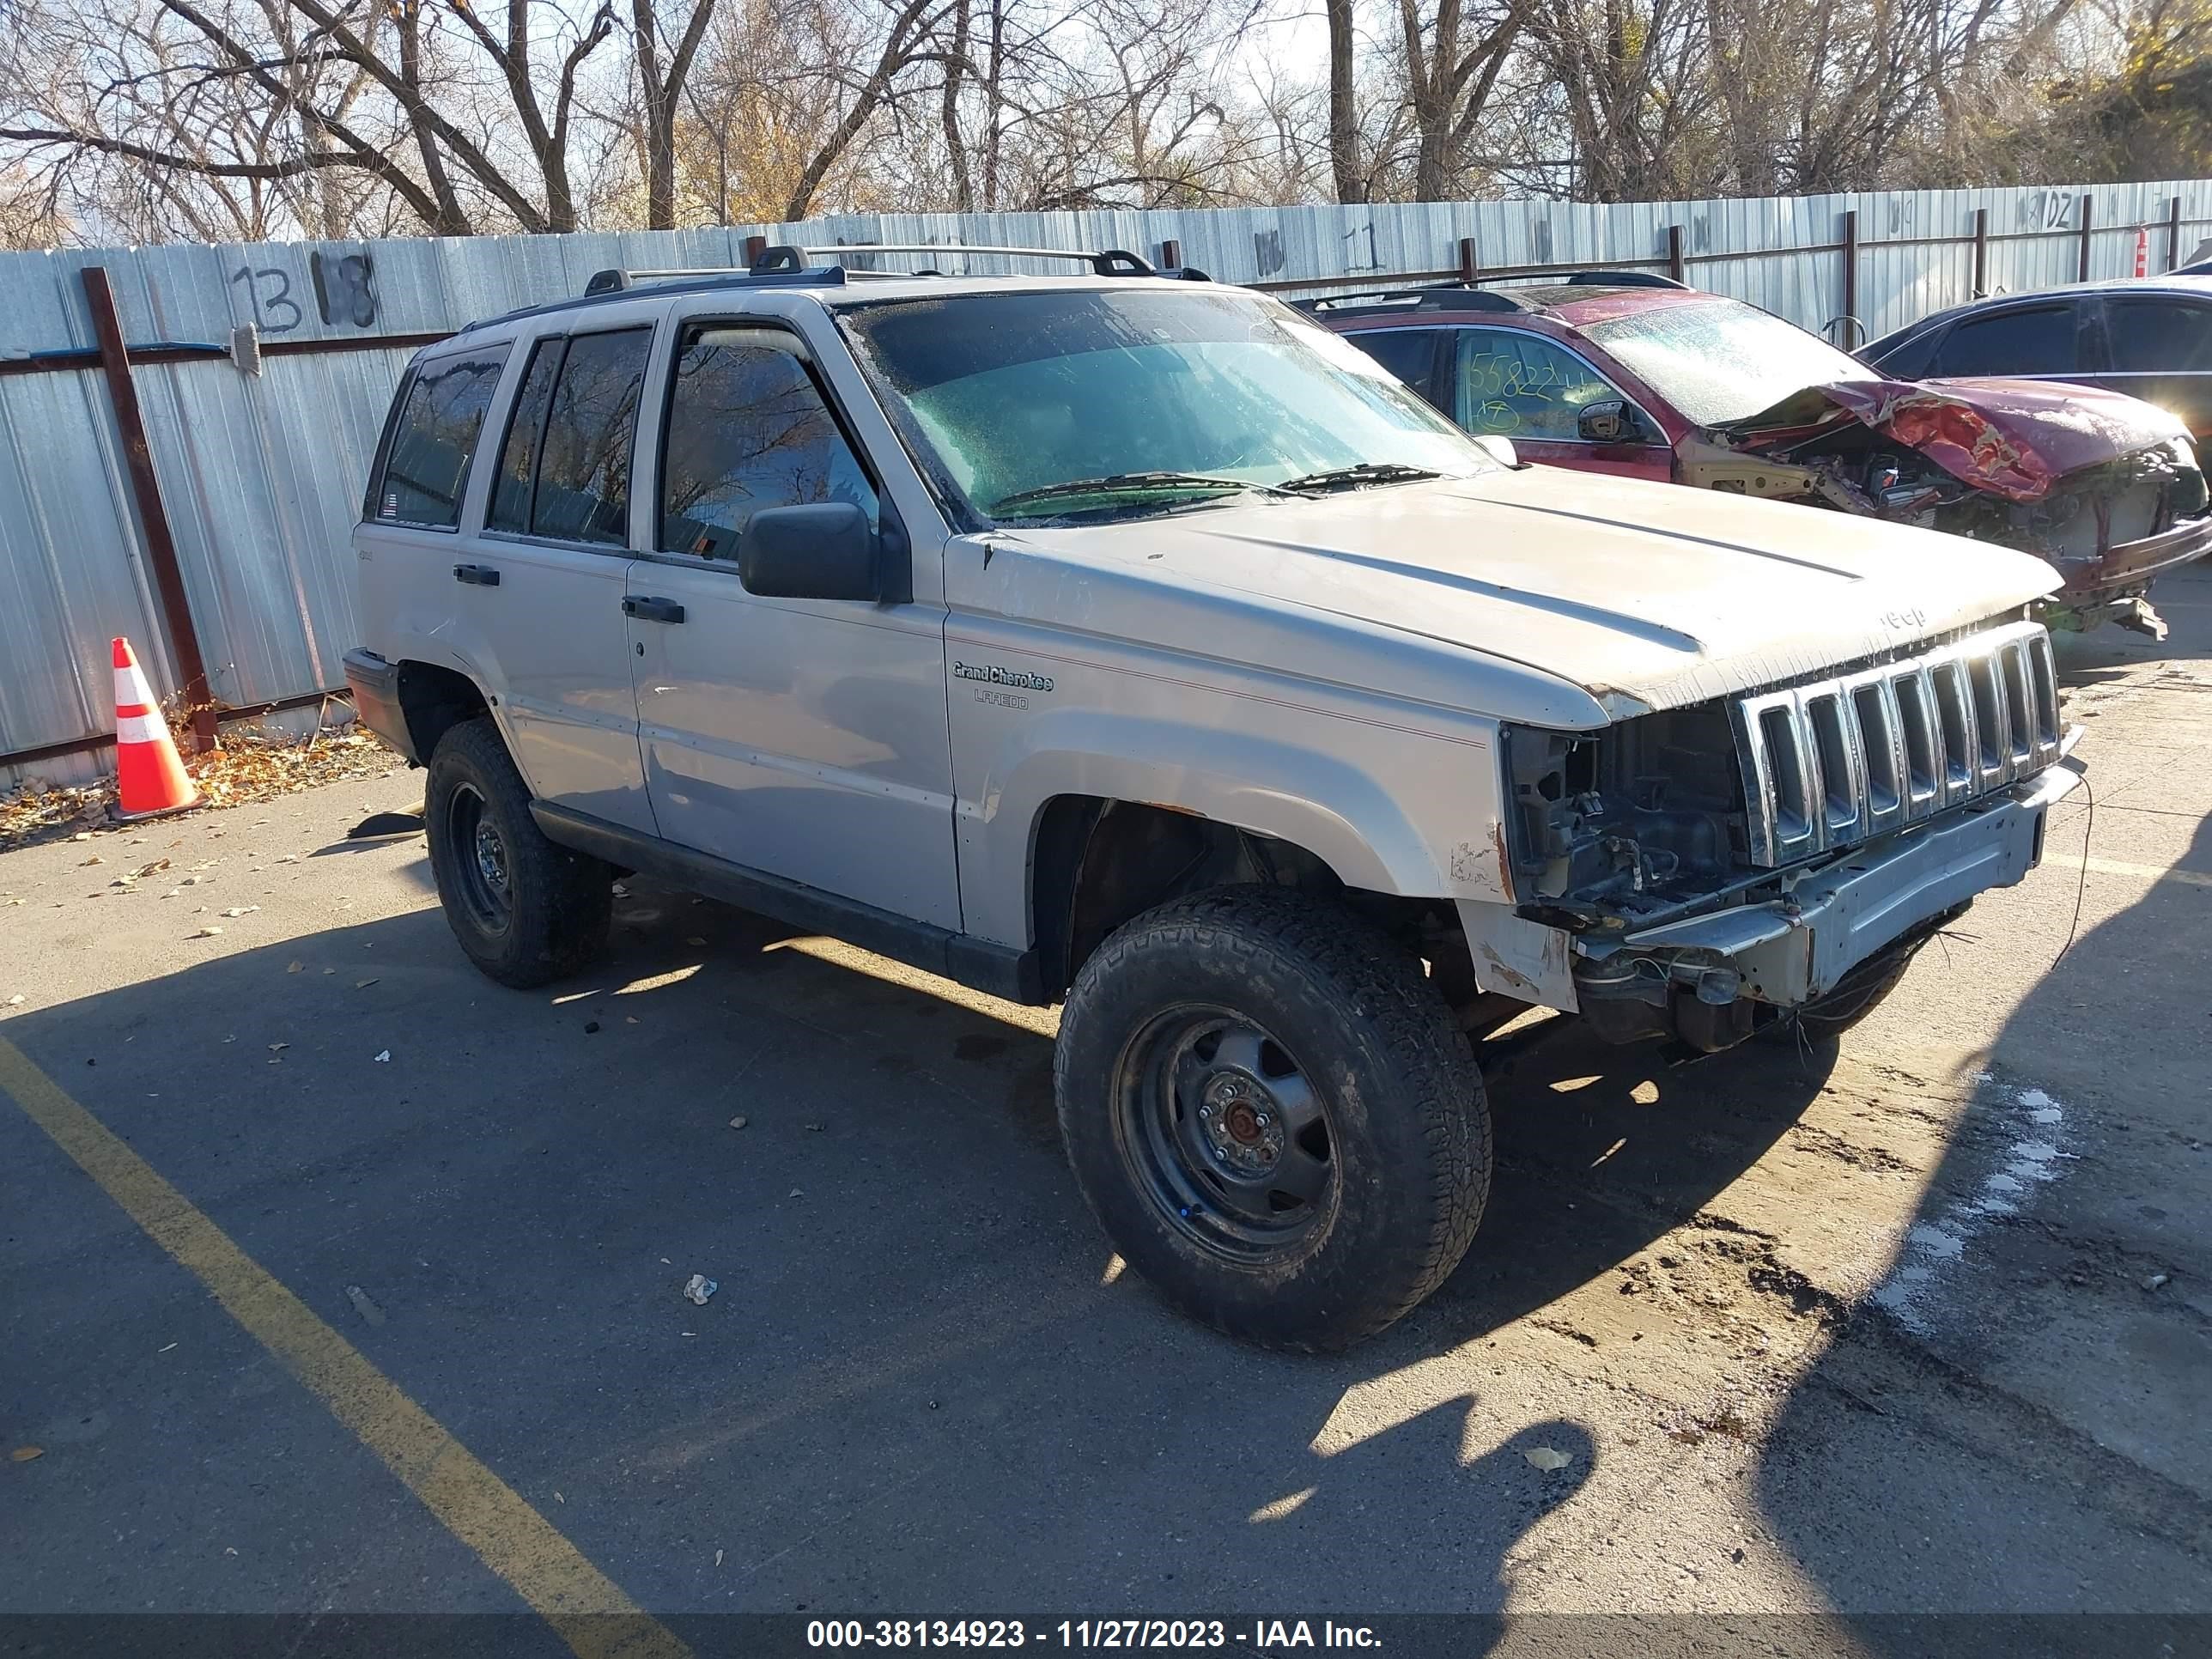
(1722, 362)
(1161, 397)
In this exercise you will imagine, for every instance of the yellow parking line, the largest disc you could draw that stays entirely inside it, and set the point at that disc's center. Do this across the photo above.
(581, 1603)
(2147, 872)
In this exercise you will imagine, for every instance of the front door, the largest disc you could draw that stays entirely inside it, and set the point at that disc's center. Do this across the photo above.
(1525, 386)
(543, 580)
(806, 738)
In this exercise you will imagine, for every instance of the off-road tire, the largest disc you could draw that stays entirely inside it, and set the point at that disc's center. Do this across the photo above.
(1856, 995)
(1408, 1124)
(559, 903)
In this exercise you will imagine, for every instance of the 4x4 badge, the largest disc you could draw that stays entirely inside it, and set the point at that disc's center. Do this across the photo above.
(994, 675)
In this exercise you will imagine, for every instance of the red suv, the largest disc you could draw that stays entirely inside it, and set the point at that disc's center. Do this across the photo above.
(1644, 377)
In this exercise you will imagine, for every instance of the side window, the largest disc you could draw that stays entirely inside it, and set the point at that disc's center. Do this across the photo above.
(518, 456)
(2160, 337)
(2037, 341)
(582, 491)
(1520, 385)
(1906, 362)
(747, 430)
(439, 411)
(1408, 353)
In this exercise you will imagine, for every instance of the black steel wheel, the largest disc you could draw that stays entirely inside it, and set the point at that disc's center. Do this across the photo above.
(525, 910)
(1225, 1133)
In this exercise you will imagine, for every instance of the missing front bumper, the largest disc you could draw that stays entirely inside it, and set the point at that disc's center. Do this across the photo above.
(1789, 950)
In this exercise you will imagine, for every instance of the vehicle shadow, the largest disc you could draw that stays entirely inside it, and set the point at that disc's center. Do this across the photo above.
(2019, 1406)
(920, 1374)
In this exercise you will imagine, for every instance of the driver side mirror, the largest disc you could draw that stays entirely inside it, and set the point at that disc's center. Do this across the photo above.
(822, 551)
(1606, 421)
(1499, 450)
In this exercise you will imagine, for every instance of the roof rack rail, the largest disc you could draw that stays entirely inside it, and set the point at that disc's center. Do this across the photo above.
(1618, 279)
(1434, 296)
(1104, 262)
(616, 280)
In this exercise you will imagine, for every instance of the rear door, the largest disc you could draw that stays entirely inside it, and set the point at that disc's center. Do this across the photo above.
(804, 738)
(1534, 390)
(544, 573)
(2158, 347)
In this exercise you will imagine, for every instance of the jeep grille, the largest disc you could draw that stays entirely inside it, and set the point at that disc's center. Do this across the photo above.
(1828, 764)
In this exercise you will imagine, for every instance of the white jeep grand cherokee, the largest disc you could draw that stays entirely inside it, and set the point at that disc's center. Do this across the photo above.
(1136, 643)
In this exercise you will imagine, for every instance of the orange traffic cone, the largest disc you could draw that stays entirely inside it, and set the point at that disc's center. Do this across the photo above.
(149, 779)
(2142, 252)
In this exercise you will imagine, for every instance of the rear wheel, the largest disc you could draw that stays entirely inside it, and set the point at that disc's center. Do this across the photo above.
(1273, 1115)
(525, 910)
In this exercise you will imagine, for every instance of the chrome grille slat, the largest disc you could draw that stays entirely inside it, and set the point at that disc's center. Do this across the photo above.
(1827, 765)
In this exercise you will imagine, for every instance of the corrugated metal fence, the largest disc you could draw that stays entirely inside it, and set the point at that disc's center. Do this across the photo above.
(261, 474)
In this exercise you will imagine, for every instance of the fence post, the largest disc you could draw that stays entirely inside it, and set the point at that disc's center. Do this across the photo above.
(153, 517)
(1852, 266)
(2173, 234)
(1171, 254)
(2089, 203)
(1467, 267)
(1676, 265)
(755, 245)
(1981, 253)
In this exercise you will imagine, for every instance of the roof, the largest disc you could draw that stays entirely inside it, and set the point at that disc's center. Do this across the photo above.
(2199, 287)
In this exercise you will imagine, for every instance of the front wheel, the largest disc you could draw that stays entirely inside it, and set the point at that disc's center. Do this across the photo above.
(526, 911)
(1273, 1115)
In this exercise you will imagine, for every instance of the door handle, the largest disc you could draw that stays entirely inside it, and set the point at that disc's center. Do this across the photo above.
(648, 610)
(477, 575)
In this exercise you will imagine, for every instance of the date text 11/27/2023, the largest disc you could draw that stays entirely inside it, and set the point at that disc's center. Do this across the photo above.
(1267, 1634)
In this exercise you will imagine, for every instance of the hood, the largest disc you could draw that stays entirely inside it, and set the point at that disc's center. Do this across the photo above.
(1643, 595)
(2014, 438)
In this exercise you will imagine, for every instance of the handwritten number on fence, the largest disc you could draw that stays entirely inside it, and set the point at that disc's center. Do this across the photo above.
(270, 290)
(345, 287)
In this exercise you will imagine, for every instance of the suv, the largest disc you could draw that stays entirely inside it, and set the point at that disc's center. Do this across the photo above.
(1139, 644)
(1635, 375)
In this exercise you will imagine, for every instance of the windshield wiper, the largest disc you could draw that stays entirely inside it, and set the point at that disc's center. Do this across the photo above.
(1133, 481)
(1367, 472)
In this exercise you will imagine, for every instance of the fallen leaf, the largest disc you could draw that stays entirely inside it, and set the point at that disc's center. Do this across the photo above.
(25, 1454)
(209, 933)
(88, 863)
(738, 1123)
(362, 984)
(1546, 1458)
(695, 940)
(384, 1055)
(237, 910)
(149, 869)
(295, 967)
(629, 1020)
(278, 1048)
(15, 1000)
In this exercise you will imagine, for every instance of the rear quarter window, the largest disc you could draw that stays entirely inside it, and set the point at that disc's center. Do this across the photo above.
(437, 417)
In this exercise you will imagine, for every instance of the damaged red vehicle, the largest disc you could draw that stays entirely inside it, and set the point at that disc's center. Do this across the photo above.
(1645, 378)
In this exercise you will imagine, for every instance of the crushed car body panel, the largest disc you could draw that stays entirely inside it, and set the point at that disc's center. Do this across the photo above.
(2016, 438)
